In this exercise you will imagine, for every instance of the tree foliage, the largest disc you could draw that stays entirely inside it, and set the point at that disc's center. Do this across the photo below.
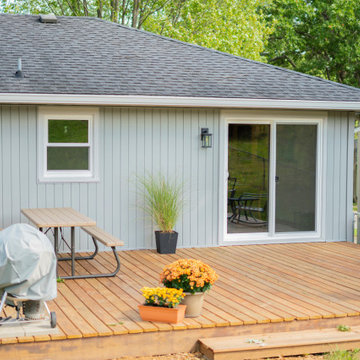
(318, 37)
(127, 12)
(234, 26)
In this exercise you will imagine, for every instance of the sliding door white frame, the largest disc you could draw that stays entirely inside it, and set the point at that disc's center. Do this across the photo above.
(271, 118)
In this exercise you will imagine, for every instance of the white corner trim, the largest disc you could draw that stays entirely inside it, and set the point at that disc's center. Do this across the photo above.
(172, 101)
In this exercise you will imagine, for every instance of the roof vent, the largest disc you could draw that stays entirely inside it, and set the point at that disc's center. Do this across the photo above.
(19, 73)
(48, 19)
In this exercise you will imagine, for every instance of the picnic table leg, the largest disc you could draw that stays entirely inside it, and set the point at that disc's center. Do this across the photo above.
(56, 241)
(91, 276)
(72, 251)
(56, 247)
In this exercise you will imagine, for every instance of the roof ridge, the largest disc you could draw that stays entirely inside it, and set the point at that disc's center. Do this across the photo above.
(333, 83)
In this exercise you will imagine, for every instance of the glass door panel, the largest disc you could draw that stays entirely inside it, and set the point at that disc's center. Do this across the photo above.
(295, 199)
(248, 182)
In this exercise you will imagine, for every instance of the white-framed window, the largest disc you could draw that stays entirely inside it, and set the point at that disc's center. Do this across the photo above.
(67, 144)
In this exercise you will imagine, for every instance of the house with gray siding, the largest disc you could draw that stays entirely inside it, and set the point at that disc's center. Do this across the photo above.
(88, 106)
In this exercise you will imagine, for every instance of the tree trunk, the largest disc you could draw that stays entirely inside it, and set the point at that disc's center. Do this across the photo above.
(77, 7)
(341, 76)
(123, 12)
(86, 12)
(115, 11)
(100, 9)
(112, 10)
(135, 14)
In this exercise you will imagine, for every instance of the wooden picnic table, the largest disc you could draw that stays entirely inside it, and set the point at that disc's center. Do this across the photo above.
(58, 218)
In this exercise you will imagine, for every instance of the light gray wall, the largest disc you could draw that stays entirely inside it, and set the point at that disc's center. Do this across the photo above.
(135, 141)
(132, 141)
(339, 142)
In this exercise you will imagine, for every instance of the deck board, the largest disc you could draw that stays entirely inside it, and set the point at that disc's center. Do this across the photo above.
(270, 272)
(323, 275)
(285, 271)
(258, 284)
(242, 271)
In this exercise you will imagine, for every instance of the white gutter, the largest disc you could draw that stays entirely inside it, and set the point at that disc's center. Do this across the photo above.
(174, 101)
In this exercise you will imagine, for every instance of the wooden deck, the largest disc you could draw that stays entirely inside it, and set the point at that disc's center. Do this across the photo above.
(260, 288)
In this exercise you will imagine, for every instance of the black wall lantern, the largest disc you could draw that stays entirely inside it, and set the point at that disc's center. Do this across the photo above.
(206, 138)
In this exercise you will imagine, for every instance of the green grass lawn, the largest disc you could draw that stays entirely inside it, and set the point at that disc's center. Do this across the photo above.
(343, 355)
(248, 163)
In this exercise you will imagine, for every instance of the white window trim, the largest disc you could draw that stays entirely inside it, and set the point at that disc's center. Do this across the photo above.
(272, 117)
(46, 113)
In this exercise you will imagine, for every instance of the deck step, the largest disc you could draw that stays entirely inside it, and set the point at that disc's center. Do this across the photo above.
(279, 344)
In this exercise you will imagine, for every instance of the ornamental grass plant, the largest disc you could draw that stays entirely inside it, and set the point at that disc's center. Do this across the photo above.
(191, 275)
(163, 201)
(162, 297)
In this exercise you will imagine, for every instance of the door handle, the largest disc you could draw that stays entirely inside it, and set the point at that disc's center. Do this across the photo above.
(277, 179)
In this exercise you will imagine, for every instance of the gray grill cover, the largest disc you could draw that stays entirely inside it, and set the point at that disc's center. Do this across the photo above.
(27, 263)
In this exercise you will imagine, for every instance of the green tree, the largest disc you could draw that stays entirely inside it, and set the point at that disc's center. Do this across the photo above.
(127, 12)
(318, 37)
(234, 26)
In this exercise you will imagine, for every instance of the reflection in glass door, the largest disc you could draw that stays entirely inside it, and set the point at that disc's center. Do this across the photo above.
(248, 181)
(292, 189)
(295, 198)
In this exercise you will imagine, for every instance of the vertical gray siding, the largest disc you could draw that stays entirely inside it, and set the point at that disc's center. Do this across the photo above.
(132, 141)
(136, 141)
(338, 180)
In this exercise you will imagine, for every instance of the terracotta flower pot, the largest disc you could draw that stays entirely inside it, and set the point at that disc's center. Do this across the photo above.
(194, 303)
(162, 314)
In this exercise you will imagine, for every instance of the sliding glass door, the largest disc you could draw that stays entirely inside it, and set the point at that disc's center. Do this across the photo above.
(272, 179)
(248, 182)
(295, 178)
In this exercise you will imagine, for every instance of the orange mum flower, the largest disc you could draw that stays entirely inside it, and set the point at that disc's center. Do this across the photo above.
(188, 274)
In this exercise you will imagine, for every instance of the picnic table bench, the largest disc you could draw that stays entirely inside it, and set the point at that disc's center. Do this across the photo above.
(107, 239)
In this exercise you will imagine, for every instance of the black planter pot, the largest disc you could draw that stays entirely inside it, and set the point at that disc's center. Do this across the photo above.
(166, 242)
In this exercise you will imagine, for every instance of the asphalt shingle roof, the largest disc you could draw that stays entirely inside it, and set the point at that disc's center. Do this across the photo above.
(80, 55)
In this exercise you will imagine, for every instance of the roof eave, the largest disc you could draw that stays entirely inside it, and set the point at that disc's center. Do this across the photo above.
(174, 101)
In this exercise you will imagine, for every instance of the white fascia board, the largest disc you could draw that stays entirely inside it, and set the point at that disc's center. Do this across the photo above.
(174, 101)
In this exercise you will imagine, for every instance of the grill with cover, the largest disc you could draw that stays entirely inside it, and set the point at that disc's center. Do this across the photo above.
(27, 274)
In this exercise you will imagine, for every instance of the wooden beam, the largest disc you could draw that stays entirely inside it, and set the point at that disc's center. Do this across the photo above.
(153, 343)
